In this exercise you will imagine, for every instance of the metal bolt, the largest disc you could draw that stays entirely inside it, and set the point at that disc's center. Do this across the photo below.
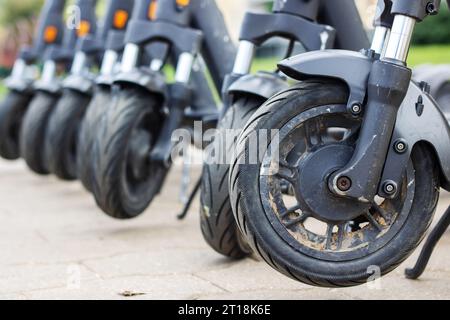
(400, 146)
(390, 188)
(344, 183)
(431, 9)
(356, 109)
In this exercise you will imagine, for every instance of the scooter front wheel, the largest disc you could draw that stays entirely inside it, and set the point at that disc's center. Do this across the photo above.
(12, 111)
(126, 180)
(88, 133)
(62, 134)
(32, 134)
(315, 236)
(217, 221)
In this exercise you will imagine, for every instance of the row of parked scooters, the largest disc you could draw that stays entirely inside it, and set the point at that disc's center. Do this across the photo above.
(346, 186)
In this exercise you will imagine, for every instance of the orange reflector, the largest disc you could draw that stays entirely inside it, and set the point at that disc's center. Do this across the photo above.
(50, 34)
(152, 10)
(84, 28)
(120, 19)
(183, 3)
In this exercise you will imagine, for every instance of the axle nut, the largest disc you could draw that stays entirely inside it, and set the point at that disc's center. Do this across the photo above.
(431, 9)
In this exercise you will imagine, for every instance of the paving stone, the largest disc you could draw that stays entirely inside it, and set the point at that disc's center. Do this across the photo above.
(250, 275)
(134, 288)
(52, 235)
(155, 262)
(24, 278)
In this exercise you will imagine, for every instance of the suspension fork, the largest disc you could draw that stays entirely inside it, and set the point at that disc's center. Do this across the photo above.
(387, 86)
(179, 98)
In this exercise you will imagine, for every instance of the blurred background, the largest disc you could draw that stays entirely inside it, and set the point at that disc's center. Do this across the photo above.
(431, 39)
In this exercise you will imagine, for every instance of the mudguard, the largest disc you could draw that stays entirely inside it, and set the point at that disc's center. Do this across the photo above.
(19, 85)
(435, 75)
(79, 83)
(261, 84)
(419, 118)
(53, 87)
(336, 64)
(145, 78)
(103, 80)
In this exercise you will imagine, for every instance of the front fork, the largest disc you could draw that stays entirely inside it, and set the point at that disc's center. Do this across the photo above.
(180, 97)
(130, 59)
(242, 66)
(49, 71)
(387, 87)
(22, 75)
(80, 64)
(110, 63)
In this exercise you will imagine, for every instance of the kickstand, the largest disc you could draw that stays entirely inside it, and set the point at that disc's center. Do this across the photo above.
(185, 180)
(427, 250)
(188, 204)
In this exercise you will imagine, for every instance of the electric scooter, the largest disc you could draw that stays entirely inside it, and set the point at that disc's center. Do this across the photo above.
(20, 83)
(77, 89)
(364, 198)
(48, 89)
(133, 145)
(293, 20)
(101, 99)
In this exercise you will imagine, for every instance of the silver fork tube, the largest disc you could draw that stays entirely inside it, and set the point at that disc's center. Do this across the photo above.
(130, 57)
(379, 39)
(400, 38)
(156, 65)
(184, 67)
(49, 71)
(244, 57)
(109, 62)
(79, 63)
(19, 69)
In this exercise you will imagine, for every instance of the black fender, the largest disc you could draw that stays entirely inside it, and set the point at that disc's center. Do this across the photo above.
(261, 84)
(153, 82)
(419, 118)
(104, 80)
(435, 75)
(79, 83)
(336, 64)
(53, 87)
(19, 85)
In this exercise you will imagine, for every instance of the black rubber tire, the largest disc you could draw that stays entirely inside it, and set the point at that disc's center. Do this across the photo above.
(111, 188)
(12, 111)
(217, 221)
(263, 238)
(32, 134)
(88, 132)
(62, 134)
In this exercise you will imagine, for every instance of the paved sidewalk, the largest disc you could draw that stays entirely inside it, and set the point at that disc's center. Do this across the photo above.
(56, 244)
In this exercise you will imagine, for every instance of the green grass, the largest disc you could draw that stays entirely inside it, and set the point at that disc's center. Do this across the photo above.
(265, 64)
(2, 89)
(436, 54)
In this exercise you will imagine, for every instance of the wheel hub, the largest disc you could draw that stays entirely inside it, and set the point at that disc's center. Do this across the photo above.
(313, 187)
